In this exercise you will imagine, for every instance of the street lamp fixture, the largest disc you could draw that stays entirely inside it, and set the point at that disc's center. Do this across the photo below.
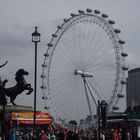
(36, 36)
(35, 39)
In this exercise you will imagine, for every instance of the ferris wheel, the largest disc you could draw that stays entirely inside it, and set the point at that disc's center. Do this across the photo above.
(84, 63)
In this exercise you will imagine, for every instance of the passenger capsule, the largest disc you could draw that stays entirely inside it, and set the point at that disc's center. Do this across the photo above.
(54, 35)
(120, 95)
(115, 108)
(123, 82)
(89, 10)
(46, 55)
(96, 11)
(65, 20)
(44, 97)
(43, 87)
(121, 42)
(47, 107)
(111, 22)
(43, 65)
(104, 15)
(59, 27)
(81, 11)
(43, 76)
(50, 45)
(124, 68)
(73, 15)
(117, 31)
(124, 54)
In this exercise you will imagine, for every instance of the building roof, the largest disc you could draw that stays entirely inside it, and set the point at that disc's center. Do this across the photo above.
(134, 70)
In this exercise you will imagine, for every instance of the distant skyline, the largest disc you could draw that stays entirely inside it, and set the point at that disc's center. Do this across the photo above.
(18, 19)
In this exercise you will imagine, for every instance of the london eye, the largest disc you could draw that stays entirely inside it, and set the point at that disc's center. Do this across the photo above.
(84, 62)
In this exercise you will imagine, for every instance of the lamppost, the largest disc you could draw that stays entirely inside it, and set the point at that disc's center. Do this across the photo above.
(3, 122)
(104, 117)
(99, 117)
(35, 39)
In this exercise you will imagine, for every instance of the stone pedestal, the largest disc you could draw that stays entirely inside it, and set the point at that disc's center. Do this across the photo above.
(16, 108)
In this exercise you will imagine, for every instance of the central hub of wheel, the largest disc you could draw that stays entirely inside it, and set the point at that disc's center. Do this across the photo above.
(83, 73)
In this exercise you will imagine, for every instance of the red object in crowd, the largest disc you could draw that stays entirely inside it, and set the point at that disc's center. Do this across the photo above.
(43, 136)
(115, 135)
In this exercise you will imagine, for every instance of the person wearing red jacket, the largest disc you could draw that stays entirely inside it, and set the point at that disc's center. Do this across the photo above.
(115, 135)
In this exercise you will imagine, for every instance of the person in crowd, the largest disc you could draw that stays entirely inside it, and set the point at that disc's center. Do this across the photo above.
(123, 137)
(75, 135)
(52, 135)
(128, 136)
(43, 135)
(61, 135)
(134, 134)
(13, 135)
(69, 135)
(35, 135)
(115, 135)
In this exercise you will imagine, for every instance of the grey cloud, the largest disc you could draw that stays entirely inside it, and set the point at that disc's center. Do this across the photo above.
(18, 19)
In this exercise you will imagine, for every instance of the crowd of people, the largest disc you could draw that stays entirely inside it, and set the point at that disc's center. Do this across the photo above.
(61, 133)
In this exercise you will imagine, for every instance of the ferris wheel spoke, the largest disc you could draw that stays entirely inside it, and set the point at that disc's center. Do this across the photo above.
(105, 75)
(95, 91)
(100, 42)
(100, 54)
(107, 67)
(61, 84)
(101, 60)
(62, 56)
(90, 42)
(101, 86)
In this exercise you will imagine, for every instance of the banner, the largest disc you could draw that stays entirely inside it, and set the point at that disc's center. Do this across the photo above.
(28, 117)
(37, 122)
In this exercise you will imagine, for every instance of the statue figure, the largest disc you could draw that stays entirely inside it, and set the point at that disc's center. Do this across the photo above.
(3, 100)
(21, 85)
(3, 64)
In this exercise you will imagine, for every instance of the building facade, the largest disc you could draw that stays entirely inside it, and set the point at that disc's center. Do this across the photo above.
(133, 88)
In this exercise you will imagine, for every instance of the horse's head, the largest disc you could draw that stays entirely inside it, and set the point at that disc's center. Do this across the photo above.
(21, 72)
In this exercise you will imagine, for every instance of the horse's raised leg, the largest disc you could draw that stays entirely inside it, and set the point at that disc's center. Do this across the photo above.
(29, 91)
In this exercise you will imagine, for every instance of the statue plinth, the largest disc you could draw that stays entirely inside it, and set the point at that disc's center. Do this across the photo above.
(15, 108)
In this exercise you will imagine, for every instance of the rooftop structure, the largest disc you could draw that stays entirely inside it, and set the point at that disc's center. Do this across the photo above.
(133, 88)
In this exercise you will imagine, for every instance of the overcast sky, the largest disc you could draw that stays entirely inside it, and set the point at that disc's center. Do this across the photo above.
(19, 17)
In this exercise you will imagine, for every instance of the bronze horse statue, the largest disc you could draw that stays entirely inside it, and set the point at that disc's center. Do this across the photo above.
(21, 85)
